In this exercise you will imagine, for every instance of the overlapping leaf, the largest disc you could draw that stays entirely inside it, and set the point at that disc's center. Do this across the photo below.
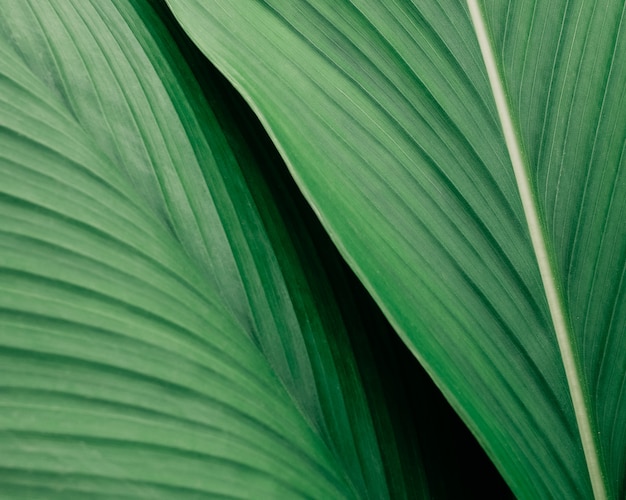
(386, 116)
(159, 336)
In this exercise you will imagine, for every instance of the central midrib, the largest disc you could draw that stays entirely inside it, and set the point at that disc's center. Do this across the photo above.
(561, 327)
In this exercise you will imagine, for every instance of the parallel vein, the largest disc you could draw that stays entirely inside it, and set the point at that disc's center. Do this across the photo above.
(561, 327)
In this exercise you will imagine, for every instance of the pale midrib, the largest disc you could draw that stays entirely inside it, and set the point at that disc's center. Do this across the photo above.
(557, 312)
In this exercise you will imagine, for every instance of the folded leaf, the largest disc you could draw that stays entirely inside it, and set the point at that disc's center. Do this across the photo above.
(479, 192)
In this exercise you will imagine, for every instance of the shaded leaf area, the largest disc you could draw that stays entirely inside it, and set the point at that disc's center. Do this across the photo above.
(133, 365)
(162, 335)
(416, 405)
(384, 114)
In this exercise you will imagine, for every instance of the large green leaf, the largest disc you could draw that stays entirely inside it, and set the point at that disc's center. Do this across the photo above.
(479, 192)
(164, 332)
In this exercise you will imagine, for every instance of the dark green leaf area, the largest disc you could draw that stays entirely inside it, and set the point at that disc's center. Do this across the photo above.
(393, 379)
(173, 321)
(386, 117)
(150, 343)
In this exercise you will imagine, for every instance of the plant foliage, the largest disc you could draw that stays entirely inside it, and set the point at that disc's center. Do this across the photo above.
(174, 324)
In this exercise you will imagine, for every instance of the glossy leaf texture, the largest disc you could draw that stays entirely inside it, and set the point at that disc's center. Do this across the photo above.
(386, 117)
(164, 332)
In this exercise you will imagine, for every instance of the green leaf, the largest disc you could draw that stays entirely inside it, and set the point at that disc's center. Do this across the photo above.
(484, 212)
(164, 331)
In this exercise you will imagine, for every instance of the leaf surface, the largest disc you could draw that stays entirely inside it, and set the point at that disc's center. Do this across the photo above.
(387, 117)
(162, 333)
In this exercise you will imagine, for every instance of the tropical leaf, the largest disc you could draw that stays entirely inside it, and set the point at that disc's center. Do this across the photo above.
(164, 331)
(478, 190)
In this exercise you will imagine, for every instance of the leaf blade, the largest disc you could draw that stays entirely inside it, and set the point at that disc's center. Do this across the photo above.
(387, 147)
(107, 284)
(537, 234)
